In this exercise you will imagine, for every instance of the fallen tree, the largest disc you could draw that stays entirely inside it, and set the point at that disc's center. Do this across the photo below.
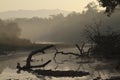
(57, 73)
(35, 52)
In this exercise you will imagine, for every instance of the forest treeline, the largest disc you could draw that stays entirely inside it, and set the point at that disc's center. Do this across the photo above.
(57, 28)
(10, 39)
(60, 28)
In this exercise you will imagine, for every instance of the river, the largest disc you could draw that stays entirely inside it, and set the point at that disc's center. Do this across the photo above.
(68, 62)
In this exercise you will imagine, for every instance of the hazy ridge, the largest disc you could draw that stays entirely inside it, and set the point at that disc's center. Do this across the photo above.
(30, 13)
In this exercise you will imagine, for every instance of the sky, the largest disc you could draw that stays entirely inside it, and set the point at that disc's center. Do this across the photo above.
(69, 5)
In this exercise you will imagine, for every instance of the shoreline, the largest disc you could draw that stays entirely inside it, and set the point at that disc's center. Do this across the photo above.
(15, 55)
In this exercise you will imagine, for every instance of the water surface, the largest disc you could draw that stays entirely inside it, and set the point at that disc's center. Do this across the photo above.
(67, 62)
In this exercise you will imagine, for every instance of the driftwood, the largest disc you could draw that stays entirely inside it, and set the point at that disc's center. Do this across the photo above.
(63, 53)
(81, 48)
(35, 52)
(28, 67)
(25, 68)
(67, 53)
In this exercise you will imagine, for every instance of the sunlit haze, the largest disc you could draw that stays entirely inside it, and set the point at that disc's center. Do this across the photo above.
(69, 5)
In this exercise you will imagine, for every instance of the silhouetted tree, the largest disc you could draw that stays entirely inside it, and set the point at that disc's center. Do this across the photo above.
(110, 5)
(106, 43)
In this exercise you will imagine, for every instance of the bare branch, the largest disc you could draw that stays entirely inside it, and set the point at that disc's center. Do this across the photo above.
(29, 59)
(35, 52)
(81, 48)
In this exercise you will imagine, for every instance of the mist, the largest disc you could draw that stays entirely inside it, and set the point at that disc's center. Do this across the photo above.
(12, 14)
(10, 34)
(9, 30)
(69, 29)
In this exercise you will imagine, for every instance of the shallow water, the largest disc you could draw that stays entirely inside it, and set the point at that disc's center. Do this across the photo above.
(68, 62)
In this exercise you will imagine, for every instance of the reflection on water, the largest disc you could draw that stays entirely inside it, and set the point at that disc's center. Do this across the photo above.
(9, 73)
(8, 65)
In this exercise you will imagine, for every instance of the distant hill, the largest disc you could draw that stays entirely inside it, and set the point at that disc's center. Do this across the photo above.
(31, 13)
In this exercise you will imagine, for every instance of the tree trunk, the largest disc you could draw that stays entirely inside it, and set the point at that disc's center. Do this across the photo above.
(28, 61)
